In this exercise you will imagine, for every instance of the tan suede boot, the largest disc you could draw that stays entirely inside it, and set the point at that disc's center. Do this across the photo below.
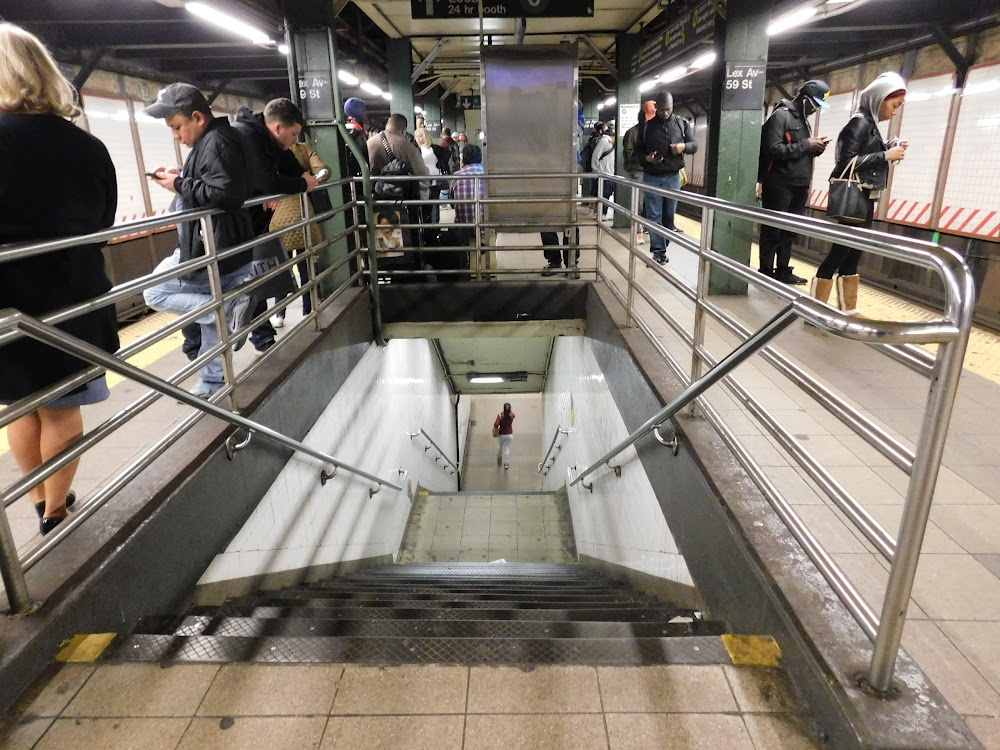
(847, 294)
(821, 289)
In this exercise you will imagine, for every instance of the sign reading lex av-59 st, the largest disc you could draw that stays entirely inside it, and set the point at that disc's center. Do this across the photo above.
(502, 8)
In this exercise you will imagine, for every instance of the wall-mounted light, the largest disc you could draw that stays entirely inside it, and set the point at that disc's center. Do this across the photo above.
(226, 21)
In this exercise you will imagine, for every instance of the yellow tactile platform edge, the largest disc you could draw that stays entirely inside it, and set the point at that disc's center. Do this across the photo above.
(752, 650)
(85, 648)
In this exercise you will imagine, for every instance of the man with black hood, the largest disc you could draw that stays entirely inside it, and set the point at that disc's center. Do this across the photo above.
(787, 151)
(213, 176)
(660, 148)
(267, 136)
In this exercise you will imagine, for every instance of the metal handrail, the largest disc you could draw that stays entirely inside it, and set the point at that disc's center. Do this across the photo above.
(951, 332)
(542, 469)
(441, 453)
(17, 590)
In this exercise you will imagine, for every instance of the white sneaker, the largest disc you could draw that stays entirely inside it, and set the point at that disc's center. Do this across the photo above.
(640, 238)
(277, 321)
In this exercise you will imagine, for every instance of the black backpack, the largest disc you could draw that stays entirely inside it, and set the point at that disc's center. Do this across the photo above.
(587, 155)
(388, 189)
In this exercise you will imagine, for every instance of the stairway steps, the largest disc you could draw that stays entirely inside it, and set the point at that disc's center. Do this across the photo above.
(458, 599)
(420, 650)
(469, 571)
(318, 602)
(314, 628)
(620, 614)
(458, 588)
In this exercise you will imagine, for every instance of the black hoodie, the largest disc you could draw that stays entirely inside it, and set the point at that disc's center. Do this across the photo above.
(267, 172)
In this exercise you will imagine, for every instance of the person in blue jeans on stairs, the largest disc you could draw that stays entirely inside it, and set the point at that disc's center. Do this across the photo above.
(660, 147)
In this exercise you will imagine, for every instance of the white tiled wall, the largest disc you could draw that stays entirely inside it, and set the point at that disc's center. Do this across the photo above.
(464, 417)
(621, 522)
(393, 390)
(829, 123)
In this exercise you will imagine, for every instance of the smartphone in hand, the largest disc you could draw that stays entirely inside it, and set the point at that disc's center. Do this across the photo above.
(154, 175)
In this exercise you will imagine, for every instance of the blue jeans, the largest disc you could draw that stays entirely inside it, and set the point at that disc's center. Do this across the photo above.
(661, 210)
(183, 295)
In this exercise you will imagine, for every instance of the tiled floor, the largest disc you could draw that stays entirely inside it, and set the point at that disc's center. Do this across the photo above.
(472, 527)
(336, 707)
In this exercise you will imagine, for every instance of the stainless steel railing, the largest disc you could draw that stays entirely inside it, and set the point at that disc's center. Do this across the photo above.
(553, 450)
(950, 332)
(451, 466)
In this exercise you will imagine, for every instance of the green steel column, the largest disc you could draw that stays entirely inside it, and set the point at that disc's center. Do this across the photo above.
(732, 165)
(313, 67)
(400, 56)
(627, 94)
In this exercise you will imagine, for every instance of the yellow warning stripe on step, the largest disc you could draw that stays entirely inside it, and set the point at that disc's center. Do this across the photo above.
(86, 647)
(752, 650)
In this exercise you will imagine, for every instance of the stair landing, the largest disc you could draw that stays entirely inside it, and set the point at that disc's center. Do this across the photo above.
(474, 527)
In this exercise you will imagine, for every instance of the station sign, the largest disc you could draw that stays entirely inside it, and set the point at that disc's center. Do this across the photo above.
(686, 31)
(744, 85)
(443, 9)
(471, 101)
(316, 95)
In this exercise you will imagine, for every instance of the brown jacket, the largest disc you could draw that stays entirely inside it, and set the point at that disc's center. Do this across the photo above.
(401, 147)
(289, 210)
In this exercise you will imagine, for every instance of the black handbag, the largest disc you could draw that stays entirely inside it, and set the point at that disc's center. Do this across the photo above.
(848, 202)
(387, 189)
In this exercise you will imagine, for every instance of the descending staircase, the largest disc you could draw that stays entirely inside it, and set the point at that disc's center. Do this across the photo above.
(471, 614)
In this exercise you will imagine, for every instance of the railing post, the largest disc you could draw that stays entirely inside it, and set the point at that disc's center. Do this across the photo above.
(630, 293)
(919, 495)
(476, 207)
(701, 292)
(310, 260)
(215, 284)
(11, 570)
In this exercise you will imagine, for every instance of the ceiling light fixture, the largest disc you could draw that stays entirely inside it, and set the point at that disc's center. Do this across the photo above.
(485, 379)
(371, 88)
(283, 49)
(791, 20)
(387, 96)
(703, 61)
(674, 73)
(347, 78)
(229, 22)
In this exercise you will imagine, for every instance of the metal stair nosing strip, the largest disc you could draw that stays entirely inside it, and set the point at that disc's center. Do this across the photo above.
(421, 650)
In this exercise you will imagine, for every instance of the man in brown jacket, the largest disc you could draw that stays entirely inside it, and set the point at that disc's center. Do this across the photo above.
(394, 132)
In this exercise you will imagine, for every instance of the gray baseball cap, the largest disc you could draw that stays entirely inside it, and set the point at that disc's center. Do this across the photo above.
(177, 97)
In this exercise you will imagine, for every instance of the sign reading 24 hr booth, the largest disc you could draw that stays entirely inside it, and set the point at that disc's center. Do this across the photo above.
(502, 8)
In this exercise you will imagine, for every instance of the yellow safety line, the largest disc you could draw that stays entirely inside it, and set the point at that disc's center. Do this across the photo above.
(141, 360)
(752, 650)
(85, 648)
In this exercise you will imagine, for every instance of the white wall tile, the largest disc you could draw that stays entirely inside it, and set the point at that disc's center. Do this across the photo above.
(392, 391)
(621, 522)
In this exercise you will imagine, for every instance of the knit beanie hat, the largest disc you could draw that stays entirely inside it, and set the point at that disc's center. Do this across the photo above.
(355, 108)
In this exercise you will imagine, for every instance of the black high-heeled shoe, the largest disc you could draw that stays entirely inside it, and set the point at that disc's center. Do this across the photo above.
(70, 499)
(48, 523)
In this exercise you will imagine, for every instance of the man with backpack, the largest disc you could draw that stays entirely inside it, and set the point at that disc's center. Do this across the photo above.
(787, 151)
(634, 169)
(660, 149)
(391, 154)
(587, 156)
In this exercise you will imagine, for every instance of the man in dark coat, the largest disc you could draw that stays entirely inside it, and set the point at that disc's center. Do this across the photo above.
(266, 137)
(213, 176)
(787, 151)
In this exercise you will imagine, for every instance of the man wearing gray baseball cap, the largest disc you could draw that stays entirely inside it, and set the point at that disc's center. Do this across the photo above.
(213, 176)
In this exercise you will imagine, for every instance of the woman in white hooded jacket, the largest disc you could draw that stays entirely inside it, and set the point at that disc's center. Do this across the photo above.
(602, 161)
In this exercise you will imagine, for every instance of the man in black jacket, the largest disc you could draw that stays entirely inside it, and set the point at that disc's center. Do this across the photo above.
(787, 151)
(266, 138)
(213, 176)
(660, 149)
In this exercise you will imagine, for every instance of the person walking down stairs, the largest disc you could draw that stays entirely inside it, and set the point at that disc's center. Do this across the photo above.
(503, 430)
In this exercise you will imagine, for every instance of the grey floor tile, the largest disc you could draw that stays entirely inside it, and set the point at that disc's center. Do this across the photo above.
(474, 542)
(760, 690)
(542, 690)
(254, 733)
(832, 532)
(677, 731)
(526, 542)
(477, 514)
(445, 555)
(530, 514)
(272, 690)
(143, 690)
(475, 528)
(401, 690)
(60, 690)
(975, 527)
(113, 734)
(987, 731)
(673, 688)
(503, 513)
(779, 732)
(474, 555)
(956, 587)
(452, 541)
(24, 733)
(990, 562)
(394, 733)
(530, 527)
(950, 670)
(979, 642)
(549, 731)
(503, 528)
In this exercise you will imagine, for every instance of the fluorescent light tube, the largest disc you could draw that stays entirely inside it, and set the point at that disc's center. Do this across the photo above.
(347, 78)
(703, 61)
(283, 49)
(371, 88)
(791, 20)
(387, 96)
(229, 22)
(485, 379)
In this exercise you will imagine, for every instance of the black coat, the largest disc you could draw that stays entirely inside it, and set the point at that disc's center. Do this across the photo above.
(861, 137)
(785, 155)
(55, 181)
(214, 176)
(657, 135)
